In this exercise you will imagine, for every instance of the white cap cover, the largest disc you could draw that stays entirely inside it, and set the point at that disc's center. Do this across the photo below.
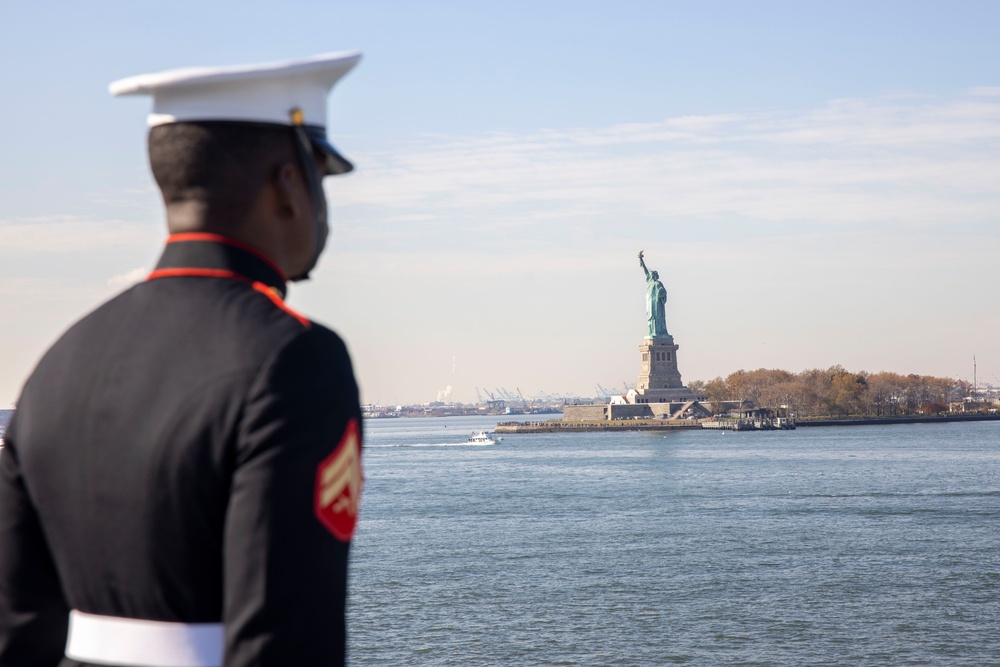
(265, 93)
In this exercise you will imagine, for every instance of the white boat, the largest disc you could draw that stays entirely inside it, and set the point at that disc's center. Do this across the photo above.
(484, 438)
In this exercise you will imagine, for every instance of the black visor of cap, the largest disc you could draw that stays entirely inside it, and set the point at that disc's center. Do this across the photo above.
(335, 162)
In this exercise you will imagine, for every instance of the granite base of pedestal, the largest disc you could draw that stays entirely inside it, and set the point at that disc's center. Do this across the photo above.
(658, 365)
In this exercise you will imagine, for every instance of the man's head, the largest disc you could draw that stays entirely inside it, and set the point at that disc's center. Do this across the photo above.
(242, 151)
(244, 180)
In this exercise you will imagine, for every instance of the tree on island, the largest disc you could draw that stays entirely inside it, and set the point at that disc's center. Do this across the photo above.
(835, 391)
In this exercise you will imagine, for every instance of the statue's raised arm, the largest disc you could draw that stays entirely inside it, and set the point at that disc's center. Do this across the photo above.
(642, 263)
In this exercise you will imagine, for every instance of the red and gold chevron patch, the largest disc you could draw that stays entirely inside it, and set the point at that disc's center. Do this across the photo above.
(338, 485)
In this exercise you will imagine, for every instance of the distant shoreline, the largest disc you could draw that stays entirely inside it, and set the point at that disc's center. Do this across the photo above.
(934, 419)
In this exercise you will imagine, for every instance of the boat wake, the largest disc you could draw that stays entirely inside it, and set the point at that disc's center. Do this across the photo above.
(433, 444)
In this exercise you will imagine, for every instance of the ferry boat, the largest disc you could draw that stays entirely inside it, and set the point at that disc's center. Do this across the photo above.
(484, 438)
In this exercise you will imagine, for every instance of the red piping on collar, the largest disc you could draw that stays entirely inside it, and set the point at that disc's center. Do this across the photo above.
(219, 238)
(268, 291)
(201, 273)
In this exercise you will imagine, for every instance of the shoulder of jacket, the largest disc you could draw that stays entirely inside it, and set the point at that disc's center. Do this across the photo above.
(278, 301)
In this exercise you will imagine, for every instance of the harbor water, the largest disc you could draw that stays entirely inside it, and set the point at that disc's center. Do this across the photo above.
(870, 545)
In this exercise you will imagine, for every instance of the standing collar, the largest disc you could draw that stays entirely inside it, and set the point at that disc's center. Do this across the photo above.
(200, 253)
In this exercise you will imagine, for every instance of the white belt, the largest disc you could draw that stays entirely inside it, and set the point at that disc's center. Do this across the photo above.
(109, 640)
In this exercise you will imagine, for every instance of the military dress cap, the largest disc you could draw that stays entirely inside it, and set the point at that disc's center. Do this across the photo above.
(292, 93)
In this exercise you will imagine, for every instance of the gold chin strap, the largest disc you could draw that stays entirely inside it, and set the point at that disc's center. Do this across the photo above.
(305, 151)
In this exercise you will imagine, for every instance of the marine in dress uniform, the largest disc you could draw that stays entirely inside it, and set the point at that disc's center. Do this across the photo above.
(182, 475)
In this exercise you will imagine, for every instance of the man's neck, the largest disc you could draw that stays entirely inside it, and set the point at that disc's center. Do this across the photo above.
(199, 216)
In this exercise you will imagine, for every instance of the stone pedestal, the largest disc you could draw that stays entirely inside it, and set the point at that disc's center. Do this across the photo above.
(659, 365)
(659, 379)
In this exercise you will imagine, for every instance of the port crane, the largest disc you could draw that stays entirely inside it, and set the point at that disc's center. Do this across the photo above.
(524, 401)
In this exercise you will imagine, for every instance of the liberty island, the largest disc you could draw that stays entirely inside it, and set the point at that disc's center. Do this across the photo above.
(659, 399)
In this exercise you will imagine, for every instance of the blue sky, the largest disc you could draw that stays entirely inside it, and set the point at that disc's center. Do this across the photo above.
(815, 182)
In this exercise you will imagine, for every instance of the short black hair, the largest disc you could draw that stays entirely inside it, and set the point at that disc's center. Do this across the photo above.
(216, 160)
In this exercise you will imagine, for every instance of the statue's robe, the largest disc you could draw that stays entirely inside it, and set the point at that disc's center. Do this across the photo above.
(656, 312)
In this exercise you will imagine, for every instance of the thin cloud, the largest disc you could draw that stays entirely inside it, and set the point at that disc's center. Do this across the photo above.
(928, 160)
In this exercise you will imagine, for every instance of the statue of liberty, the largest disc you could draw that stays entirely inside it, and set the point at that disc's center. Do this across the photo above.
(656, 302)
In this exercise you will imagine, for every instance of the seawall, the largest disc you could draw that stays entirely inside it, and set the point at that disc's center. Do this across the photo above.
(556, 426)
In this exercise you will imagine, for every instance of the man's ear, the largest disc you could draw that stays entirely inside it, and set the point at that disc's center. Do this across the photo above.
(287, 182)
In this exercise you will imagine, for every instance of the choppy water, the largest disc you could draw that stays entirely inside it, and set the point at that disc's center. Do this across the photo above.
(829, 546)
